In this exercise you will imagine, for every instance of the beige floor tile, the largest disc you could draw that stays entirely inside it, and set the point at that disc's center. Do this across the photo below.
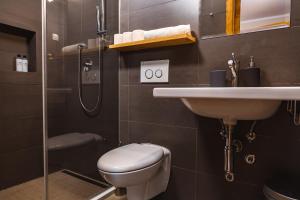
(61, 187)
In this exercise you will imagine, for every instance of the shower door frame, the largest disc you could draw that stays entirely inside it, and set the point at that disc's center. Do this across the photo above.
(44, 86)
(45, 195)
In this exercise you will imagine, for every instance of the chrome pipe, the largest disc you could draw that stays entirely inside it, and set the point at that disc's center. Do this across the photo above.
(103, 15)
(228, 154)
(98, 20)
(101, 29)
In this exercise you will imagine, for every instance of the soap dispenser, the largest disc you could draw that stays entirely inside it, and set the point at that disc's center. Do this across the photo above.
(25, 64)
(19, 63)
(250, 77)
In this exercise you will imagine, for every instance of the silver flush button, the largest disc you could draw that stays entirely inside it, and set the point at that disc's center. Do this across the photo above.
(158, 73)
(154, 71)
(149, 74)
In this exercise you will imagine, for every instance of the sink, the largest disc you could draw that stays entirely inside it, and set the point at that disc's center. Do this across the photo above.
(231, 110)
(231, 103)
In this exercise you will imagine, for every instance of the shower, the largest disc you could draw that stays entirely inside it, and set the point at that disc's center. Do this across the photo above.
(53, 119)
(85, 67)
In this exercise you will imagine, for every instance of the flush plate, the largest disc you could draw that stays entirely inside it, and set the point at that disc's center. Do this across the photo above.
(156, 71)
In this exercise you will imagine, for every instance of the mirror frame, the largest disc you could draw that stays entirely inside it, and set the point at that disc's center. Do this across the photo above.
(233, 16)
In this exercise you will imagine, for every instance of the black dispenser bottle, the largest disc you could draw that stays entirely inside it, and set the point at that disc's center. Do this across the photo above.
(250, 77)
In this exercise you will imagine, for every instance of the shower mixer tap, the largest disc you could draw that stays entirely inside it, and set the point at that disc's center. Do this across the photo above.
(88, 64)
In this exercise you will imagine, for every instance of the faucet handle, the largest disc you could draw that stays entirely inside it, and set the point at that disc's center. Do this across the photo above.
(230, 62)
(232, 68)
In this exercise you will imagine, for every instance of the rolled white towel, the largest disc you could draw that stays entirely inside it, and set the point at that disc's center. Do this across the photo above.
(118, 38)
(162, 32)
(182, 29)
(168, 31)
(138, 35)
(127, 37)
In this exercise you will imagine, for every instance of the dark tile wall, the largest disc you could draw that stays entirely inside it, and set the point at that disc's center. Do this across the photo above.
(75, 22)
(20, 101)
(197, 148)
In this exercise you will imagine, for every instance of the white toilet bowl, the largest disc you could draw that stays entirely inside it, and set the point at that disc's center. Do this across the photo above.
(143, 169)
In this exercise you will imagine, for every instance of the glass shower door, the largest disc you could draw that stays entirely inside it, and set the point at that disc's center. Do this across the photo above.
(80, 74)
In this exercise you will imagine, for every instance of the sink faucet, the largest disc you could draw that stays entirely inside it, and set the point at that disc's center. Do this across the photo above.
(234, 65)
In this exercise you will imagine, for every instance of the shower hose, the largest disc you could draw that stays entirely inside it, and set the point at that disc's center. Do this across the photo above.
(96, 108)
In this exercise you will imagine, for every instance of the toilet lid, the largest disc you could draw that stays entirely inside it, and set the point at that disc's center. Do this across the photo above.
(130, 158)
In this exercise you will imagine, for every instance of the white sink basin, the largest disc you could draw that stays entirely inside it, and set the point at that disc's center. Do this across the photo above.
(232, 103)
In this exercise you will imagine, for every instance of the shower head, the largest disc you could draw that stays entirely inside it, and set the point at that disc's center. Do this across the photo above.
(74, 47)
(82, 45)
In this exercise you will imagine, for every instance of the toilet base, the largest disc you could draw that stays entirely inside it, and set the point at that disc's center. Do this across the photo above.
(137, 192)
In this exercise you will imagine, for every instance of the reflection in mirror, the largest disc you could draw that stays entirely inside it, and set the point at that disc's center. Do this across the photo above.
(229, 17)
(259, 15)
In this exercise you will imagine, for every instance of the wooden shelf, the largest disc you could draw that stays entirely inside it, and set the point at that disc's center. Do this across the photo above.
(175, 40)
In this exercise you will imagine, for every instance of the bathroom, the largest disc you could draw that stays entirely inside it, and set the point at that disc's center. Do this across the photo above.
(81, 97)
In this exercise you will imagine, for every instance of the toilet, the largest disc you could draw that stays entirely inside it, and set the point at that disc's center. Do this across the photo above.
(143, 169)
(282, 187)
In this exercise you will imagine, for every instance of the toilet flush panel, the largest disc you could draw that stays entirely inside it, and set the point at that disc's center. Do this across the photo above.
(156, 71)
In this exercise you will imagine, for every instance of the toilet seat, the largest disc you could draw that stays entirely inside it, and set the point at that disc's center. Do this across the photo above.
(130, 158)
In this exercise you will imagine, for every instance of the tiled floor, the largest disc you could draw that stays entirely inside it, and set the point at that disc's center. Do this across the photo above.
(61, 187)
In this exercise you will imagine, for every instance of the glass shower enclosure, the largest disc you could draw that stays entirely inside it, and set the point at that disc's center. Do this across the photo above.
(59, 112)
(81, 80)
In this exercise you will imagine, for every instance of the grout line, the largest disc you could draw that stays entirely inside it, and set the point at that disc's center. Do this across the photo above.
(184, 169)
(40, 146)
(164, 125)
(151, 6)
(164, 85)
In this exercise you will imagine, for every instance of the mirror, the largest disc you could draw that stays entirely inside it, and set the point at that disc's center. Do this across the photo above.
(230, 17)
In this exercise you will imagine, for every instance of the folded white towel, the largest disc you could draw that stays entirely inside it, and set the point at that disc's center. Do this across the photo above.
(138, 35)
(118, 38)
(182, 29)
(168, 31)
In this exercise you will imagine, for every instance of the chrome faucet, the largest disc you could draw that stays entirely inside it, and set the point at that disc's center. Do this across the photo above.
(234, 65)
